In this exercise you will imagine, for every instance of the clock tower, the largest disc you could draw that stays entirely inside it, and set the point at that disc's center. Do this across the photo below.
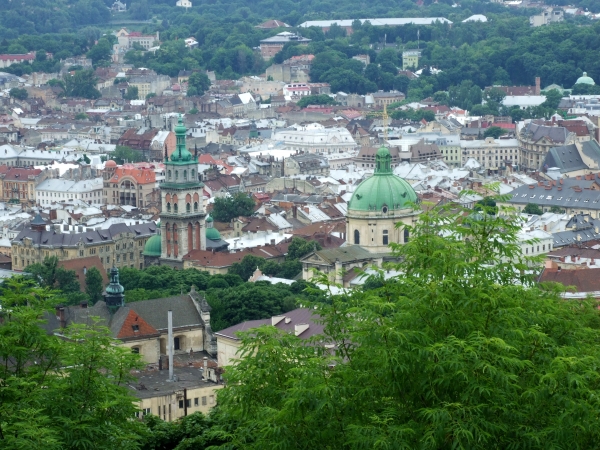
(183, 208)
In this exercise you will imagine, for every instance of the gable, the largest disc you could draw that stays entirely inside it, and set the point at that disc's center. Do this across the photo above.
(135, 326)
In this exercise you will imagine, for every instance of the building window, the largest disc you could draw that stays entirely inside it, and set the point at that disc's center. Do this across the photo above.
(356, 237)
(175, 208)
(185, 175)
(176, 343)
(204, 401)
(385, 237)
(195, 206)
(169, 174)
(406, 235)
(168, 207)
(180, 404)
(177, 175)
(135, 350)
(188, 207)
(196, 402)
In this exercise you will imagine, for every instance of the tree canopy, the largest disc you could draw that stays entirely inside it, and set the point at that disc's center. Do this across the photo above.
(460, 351)
(227, 208)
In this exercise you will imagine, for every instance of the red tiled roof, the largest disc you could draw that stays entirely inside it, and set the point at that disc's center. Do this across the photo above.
(135, 326)
(20, 174)
(584, 280)
(140, 175)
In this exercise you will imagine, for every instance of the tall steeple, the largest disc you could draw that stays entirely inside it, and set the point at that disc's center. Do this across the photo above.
(183, 212)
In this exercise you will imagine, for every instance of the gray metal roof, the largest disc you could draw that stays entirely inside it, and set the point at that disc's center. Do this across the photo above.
(573, 193)
(568, 159)
(155, 311)
(57, 239)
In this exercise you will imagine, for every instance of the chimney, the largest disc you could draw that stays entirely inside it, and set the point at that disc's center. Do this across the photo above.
(300, 328)
(538, 83)
(205, 369)
(170, 343)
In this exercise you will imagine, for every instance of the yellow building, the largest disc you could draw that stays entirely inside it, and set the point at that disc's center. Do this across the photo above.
(410, 59)
(119, 245)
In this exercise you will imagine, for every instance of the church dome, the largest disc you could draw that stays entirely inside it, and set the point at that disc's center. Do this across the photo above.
(383, 192)
(153, 246)
(211, 232)
(110, 164)
(584, 79)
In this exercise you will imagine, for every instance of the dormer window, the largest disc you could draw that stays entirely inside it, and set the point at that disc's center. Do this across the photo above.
(136, 328)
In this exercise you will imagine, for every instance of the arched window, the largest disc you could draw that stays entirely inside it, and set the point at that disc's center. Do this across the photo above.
(185, 175)
(175, 208)
(177, 175)
(195, 206)
(188, 207)
(168, 175)
(385, 237)
(405, 235)
(193, 176)
(168, 207)
(356, 237)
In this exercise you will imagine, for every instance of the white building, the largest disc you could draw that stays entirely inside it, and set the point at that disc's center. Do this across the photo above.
(296, 90)
(184, 3)
(58, 190)
(315, 138)
(523, 101)
(491, 153)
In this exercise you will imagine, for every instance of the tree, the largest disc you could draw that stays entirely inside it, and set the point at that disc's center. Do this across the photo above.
(300, 247)
(321, 99)
(94, 284)
(487, 205)
(62, 392)
(460, 351)
(556, 209)
(132, 93)
(18, 93)
(198, 84)
(494, 132)
(81, 116)
(228, 208)
(533, 208)
(82, 84)
(553, 97)
(101, 52)
(123, 153)
(246, 267)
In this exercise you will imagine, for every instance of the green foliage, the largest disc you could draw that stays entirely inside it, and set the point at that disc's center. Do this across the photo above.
(198, 84)
(415, 115)
(132, 93)
(50, 275)
(81, 116)
(82, 84)
(533, 208)
(556, 209)
(487, 205)
(494, 132)
(460, 351)
(18, 93)
(101, 52)
(300, 248)
(62, 393)
(188, 433)
(94, 284)
(322, 99)
(123, 153)
(227, 208)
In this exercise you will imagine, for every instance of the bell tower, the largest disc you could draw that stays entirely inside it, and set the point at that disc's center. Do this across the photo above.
(183, 207)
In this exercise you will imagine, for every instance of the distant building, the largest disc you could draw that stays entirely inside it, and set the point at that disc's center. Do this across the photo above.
(410, 59)
(325, 25)
(548, 16)
(184, 3)
(129, 184)
(271, 46)
(272, 24)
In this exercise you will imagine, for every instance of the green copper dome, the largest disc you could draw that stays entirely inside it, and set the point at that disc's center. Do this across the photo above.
(114, 287)
(153, 246)
(211, 232)
(383, 192)
(584, 79)
(181, 153)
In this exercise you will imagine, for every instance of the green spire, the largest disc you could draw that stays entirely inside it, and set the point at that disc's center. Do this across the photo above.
(383, 161)
(181, 153)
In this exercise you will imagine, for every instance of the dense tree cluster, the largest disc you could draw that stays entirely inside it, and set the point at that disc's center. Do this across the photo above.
(227, 208)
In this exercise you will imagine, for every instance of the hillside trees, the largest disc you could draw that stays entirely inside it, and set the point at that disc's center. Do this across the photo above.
(61, 393)
(458, 352)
